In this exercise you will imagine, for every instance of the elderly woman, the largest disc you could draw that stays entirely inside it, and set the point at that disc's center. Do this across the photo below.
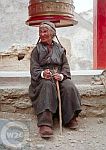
(48, 63)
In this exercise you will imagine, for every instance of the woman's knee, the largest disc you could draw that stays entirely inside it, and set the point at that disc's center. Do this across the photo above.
(67, 84)
(47, 82)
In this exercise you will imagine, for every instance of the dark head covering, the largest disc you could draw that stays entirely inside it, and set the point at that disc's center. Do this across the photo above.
(48, 25)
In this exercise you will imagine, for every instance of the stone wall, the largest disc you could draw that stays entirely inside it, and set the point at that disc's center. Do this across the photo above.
(17, 100)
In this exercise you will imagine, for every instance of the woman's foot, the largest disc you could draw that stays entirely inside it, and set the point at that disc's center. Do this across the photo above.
(45, 131)
(73, 124)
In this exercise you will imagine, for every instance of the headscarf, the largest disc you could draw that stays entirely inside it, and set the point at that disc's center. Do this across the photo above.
(49, 25)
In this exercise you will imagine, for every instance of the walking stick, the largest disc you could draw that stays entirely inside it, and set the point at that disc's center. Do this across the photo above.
(60, 113)
(59, 98)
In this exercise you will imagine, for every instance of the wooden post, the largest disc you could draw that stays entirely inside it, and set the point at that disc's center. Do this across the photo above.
(99, 34)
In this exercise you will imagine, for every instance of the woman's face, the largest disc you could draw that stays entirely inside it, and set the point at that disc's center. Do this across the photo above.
(46, 35)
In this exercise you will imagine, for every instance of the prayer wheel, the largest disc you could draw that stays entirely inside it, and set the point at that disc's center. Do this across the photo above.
(60, 12)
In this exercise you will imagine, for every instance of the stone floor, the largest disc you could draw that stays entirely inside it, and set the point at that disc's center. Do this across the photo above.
(90, 135)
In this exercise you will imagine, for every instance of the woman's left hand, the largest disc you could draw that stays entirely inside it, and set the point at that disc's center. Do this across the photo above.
(57, 76)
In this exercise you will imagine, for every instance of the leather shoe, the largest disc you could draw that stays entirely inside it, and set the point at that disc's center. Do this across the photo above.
(73, 124)
(45, 131)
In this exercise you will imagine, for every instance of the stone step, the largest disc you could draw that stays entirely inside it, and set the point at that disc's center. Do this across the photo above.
(14, 93)
(15, 99)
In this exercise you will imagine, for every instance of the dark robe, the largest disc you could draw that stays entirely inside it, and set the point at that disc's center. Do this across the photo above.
(43, 93)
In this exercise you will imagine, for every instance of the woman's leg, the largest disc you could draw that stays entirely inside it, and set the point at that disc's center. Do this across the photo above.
(45, 105)
(45, 123)
(71, 101)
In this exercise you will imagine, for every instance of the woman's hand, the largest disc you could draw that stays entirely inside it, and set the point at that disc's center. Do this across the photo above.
(58, 76)
(47, 74)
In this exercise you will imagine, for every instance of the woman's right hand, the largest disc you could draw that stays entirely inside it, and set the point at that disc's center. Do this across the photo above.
(47, 74)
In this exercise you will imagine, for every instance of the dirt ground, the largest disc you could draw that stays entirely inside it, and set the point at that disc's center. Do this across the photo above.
(91, 134)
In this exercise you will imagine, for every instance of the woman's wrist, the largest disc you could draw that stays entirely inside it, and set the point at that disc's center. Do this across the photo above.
(42, 74)
(62, 77)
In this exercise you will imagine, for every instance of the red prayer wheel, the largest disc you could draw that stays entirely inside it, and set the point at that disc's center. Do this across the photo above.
(60, 12)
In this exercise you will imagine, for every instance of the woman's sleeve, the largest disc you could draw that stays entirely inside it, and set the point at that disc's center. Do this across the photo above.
(65, 67)
(35, 69)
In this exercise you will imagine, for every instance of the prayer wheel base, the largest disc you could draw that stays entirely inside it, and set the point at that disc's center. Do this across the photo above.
(59, 21)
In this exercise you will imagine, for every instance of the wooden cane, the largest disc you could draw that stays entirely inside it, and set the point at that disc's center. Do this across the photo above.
(60, 112)
(59, 99)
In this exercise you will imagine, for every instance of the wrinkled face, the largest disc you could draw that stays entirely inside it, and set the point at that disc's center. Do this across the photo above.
(46, 35)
